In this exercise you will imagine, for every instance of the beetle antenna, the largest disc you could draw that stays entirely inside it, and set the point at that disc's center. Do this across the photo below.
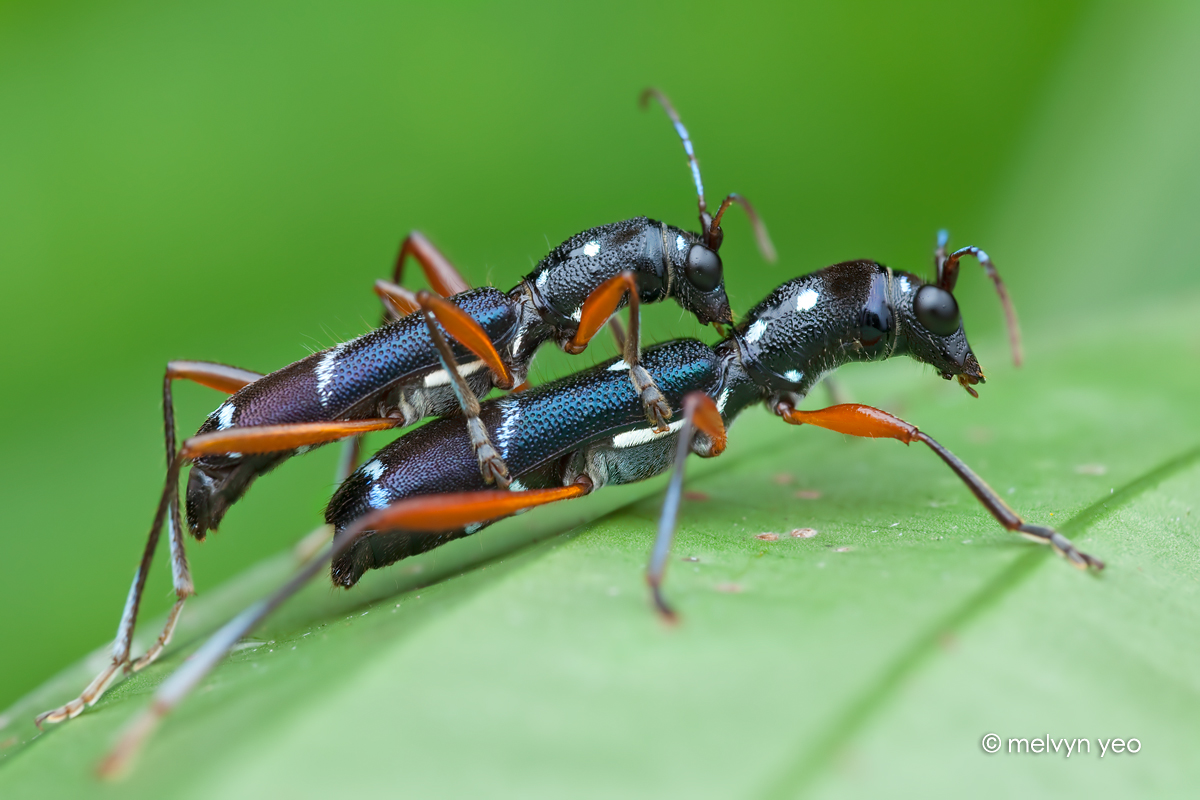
(643, 101)
(761, 236)
(948, 276)
(939, 255)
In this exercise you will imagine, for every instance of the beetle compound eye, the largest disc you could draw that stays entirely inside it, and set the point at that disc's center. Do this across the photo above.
(937, 310)
(703, 268)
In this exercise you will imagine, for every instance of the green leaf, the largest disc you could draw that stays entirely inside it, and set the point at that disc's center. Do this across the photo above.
(871, 657)
(910, 610)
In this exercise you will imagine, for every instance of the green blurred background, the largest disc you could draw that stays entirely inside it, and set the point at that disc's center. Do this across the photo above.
(223, 181)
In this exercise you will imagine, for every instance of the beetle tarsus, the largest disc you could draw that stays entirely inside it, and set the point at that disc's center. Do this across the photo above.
(1062, 545)
(658, 411)
(491, 465)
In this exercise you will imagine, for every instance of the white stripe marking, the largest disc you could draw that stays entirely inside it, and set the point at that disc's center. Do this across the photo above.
(225, 415)
(442, 378)
(510, 417)
(643, 435)
(325, 372)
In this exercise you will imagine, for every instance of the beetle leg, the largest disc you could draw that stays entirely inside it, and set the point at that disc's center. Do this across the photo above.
(600, 305)
(397, 301)
(443, 277)
(859, 420)
(421, 514)
(700, 414)
(467, 332)
(313, 541)
(215, 376)
(491, 463)
(265, 439)
(618, 332)
(835, 390)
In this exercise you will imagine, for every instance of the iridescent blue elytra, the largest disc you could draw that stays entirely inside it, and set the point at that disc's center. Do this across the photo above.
(589, 423)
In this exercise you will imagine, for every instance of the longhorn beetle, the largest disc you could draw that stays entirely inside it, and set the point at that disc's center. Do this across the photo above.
(401, 372)
(571, 437)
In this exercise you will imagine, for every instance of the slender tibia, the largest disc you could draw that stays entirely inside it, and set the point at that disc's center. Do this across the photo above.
(312, 542)
(600, 305)
(425, 514)
(618, 332)
(491, 463)
(397, 301)
(700, 414)
(859, 420)
(467, 332)
(835, 390)
(442, 275)
(223, 378)
(236, 440)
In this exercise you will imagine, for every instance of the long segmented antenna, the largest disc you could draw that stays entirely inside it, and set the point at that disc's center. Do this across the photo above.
(948, 276)
(687, 146)
(939, 255)
(711, 226)
(765, 246)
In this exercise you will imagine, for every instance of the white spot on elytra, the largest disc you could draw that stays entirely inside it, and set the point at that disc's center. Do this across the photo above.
(325, 370)
(807, 299)
(373, 469)
(379, 497)
(793, 375)
(618, 366)
(756, 331)
(510, 417)
(680, 244)
(577, 314)
(542, 278)
(442, 378)
(517, 486)
(643, 435)
(225, 415)
(591, 248)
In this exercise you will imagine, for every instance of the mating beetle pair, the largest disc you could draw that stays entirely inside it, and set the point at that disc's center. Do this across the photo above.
(407, 370)
(562, 440)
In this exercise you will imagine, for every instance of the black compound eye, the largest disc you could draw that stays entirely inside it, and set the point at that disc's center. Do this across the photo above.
(937, 310)
(703, 268)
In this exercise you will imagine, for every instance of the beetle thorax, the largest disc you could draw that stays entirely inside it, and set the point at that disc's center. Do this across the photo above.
(812, 325)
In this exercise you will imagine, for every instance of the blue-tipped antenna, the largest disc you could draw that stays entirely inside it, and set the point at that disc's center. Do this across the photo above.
(711, 225)
(683, 134)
